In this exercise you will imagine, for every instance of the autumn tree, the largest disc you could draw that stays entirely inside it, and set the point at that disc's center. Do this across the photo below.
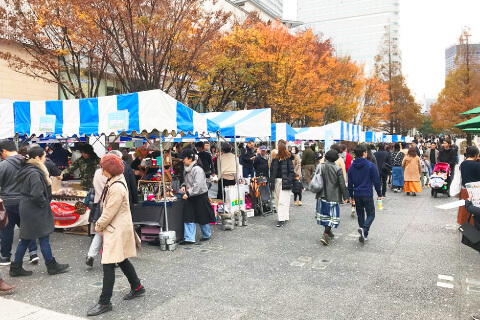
(404, 111)
(62, 44)
(375, 106)
(462, 89)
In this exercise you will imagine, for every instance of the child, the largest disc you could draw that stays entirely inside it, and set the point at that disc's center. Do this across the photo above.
(425, 168)
(297, 190)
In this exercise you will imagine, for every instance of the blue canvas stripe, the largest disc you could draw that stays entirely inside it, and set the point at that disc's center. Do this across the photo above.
(184, 118)
(23, 121)
(342, 134)
(55, 108)
(130, 103)
(89, 117)
(274, 132)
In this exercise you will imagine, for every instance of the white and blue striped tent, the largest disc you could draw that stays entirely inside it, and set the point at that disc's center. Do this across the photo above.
(283, 131)
(142, 111)
(243, 123)
(342, 131)
(7, 120)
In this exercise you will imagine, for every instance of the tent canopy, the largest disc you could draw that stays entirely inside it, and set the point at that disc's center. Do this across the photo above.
(471, 123)
(243, 123)
(341, 131)
(473, 111)
(283, 131)
(141, 111)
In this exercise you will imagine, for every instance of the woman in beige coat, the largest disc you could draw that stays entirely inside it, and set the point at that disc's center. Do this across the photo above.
(115, 224)
(413, 171)
(297, 162)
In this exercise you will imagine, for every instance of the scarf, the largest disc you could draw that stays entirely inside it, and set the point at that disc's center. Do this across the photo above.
(42, 167)
(190, 167)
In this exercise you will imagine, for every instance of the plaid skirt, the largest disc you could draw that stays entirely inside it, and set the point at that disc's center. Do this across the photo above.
(327, 213)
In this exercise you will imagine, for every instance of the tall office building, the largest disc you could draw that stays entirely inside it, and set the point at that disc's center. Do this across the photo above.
(356, 27)
(451, 54)
(273, 8)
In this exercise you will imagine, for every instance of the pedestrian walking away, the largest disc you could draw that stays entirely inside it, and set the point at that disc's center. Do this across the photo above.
(412, 172)
(333, 193)
(10, 195)
(308, 162)
(397, 170)
(197, 207)
(228, 166)
(384, 162)
(35, 213)
(297, 162)
(282, 175)
(119, 239)
(362, 178)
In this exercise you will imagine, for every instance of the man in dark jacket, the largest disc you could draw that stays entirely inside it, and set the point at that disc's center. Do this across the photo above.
(362, 177)
(448, 155)
(10, 195)
(247, 156)
(384, 163)
(308, 162)
(206, 159)
(415, 145)
(261, 163)
(432, 156)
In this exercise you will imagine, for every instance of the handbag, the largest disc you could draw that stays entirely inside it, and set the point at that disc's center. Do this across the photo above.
(470, 235)
(3, 216)
(386, 167)
(456, 185)
(316, 184)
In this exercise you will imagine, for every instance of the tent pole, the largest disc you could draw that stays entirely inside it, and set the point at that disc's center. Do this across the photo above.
(163, 182)
(236, 169)
(220, 173)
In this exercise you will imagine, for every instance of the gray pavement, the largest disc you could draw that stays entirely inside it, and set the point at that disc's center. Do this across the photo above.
(413, 267)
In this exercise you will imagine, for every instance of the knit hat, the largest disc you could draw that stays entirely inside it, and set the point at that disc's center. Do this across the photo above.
(112, 164)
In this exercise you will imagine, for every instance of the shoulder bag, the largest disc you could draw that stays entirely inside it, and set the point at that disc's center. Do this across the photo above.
(470, 235)
(316, 184)
(3, 216)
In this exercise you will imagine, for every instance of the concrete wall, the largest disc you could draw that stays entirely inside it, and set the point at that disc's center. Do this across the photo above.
(17, 86)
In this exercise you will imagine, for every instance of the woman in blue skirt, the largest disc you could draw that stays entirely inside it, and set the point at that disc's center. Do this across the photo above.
(397, 170)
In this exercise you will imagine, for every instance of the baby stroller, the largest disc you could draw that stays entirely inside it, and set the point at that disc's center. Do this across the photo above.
(261, 197)
(439, 179)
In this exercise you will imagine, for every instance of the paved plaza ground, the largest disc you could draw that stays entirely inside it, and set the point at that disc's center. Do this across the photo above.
(413, 267)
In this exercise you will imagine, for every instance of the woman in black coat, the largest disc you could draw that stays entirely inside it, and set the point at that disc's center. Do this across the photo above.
(35, 213)
(282, 174)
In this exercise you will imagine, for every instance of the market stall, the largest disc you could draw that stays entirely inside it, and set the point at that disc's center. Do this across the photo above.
(129, 114)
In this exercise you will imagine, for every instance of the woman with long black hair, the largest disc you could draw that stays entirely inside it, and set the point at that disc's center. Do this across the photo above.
(35, 213)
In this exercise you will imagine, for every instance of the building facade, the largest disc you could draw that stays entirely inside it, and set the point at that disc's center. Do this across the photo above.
(356, 27)
(451, 54)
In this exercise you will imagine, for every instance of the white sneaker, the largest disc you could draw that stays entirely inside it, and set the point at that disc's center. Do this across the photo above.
(362, 235)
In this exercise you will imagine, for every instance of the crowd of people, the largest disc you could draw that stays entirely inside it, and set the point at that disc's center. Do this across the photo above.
(348, 175)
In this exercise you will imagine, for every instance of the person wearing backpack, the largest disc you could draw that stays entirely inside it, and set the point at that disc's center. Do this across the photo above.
(362, 177)
(334, 191)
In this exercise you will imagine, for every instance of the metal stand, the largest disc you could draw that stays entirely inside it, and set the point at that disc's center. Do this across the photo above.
(167, 238)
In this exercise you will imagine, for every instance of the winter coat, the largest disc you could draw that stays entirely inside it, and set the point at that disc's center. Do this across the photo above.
(194, 180)
(288, 173)
(428, 153)
(297, 164)
(131, 184)
(412, 167)
(382, 157)
(115, 223)
(340, 163)
(297, 186)
(308, 157)
(261, 165)
(334, 188)
(362, 177)
(87, 169)
(425, 165)
(9, 185)
(53, 171)
(245, 157)
(35, 195)
(207, 162)
(448, 156)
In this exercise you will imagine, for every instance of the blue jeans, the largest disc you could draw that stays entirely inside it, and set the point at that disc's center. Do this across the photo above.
(44, 247)
(431, 168)
(248, 172)
(190, 230)
(6, 234)
(362, 205)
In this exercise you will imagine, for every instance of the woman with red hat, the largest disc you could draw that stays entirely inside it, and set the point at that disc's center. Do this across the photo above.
(116, 226)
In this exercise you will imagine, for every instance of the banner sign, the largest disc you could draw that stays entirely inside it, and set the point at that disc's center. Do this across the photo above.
(47, 124)
(118, 121)
(65, 216)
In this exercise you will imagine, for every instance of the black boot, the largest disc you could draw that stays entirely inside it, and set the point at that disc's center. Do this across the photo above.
(99, 309)
(16, 270)
(55, 268)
